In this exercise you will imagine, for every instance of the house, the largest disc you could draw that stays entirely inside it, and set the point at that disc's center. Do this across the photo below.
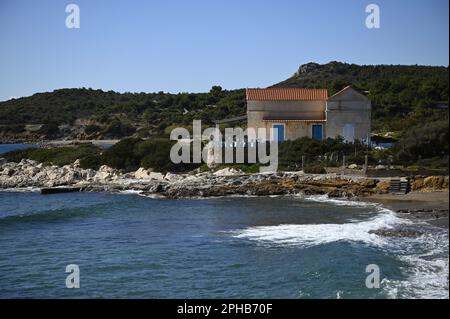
(297, 112)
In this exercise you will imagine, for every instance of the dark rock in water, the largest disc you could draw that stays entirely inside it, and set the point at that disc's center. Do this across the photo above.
(396, 233)
(58, 190)
(425, 213)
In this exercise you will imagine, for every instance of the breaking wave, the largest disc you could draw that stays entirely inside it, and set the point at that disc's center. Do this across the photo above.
(427, 270)
(319, 234)
(336, 201)
(424, 259)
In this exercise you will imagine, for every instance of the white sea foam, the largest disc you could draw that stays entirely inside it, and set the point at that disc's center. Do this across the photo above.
(318, 234)
(424, 259)
(336, 201)
(427, 272)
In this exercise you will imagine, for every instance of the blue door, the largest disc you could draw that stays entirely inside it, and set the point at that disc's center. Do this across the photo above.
(317, 132)
(279, 128)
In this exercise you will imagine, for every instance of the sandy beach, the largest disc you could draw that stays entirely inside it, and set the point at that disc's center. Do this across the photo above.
(430, 206)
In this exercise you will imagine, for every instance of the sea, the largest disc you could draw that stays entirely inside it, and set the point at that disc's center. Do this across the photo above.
(5, 148)
(129, 246)
(125, 245)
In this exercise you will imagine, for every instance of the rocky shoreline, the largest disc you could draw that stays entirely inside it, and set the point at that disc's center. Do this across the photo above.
(225, 182)
(229, 182)
(29, 173)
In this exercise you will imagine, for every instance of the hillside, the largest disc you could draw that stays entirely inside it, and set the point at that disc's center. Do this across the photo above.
(402, 96)
(114, 115)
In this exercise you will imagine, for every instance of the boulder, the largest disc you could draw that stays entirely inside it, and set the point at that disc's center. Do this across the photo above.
(156, 176)
(77, 163)
(106, 173)
(227, 172)
(173, 177)
(141, 173)
(430, 183)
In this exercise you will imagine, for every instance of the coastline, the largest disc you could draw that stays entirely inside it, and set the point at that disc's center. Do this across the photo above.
(428, 200)
(431, 206)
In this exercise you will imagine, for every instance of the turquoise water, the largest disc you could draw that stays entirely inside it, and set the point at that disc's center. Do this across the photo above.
(129, 246)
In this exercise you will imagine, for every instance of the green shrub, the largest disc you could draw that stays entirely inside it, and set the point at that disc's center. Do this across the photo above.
(122, 154)
(92, 128)
(17, 156)
(118, 129)
(54, 155)
(155, 154)
(13, 129)
(63, 155)
(327, 152)
(434, 163)
(93, 161)
(50, 130)
(427, 140)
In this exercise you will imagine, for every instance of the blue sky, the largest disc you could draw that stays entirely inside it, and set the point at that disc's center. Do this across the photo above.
(188, 46)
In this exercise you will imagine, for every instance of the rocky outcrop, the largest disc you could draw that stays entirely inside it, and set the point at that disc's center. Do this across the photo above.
(207, 185)
(29, 173)
(225, 182)
(106, 174)
(424, 213)
(227, 172)
(429, 183)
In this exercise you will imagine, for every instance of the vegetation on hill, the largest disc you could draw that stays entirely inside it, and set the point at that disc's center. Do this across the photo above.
(410, 103)
(421, 147)
(402, 96)
(118, 115)
(129, 154)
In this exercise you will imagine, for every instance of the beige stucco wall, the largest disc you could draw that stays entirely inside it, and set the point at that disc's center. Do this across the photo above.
(349, 111)
(258, 110)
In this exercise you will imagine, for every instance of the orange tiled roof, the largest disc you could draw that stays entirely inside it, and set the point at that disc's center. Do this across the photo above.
(287, 94)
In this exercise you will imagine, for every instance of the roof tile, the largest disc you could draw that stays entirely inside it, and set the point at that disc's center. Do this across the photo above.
(287, 94)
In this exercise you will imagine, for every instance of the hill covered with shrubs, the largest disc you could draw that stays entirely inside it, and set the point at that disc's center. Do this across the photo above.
(409, 104)
(402, 97)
